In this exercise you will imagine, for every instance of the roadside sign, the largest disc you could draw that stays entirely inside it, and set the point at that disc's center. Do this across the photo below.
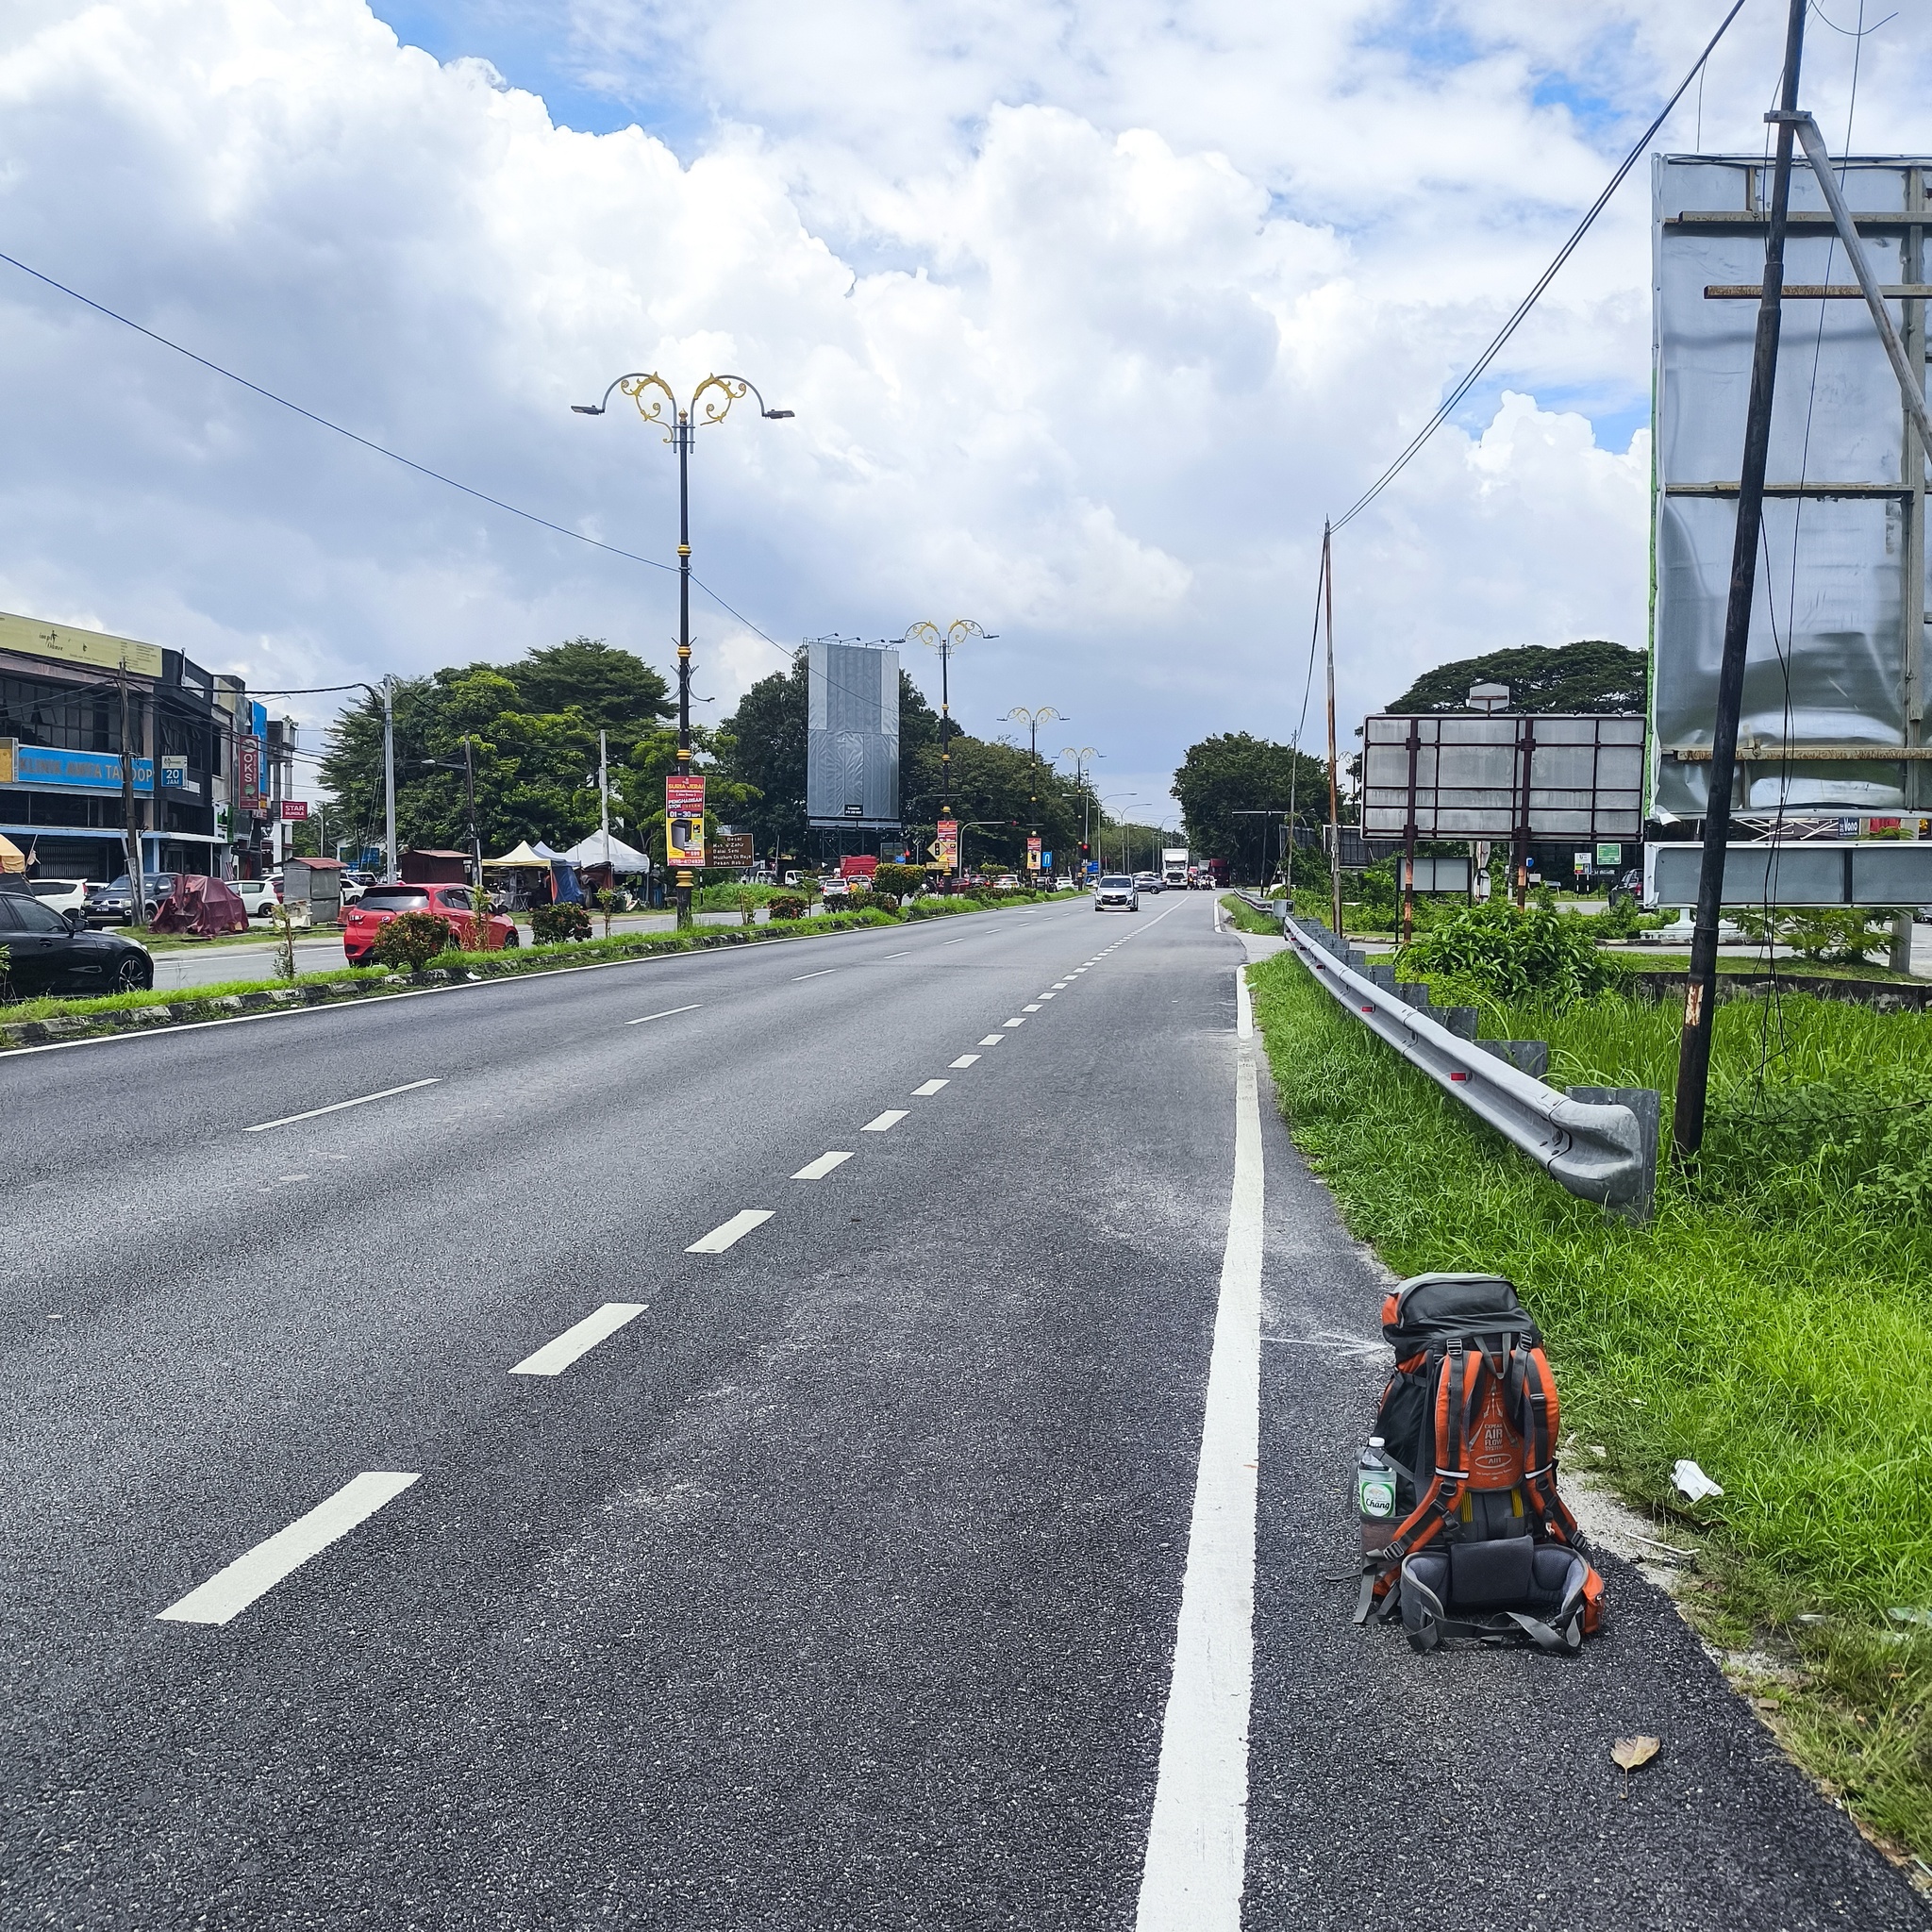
(734, 849)
(684, 819)
(294, 808)
(250, 774)
(1032, 855)
(173, 771)
(1609, 854)
(1046, 861)
(948, 844)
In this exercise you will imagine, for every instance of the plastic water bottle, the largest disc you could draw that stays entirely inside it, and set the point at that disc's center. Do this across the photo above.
(1375, 1495)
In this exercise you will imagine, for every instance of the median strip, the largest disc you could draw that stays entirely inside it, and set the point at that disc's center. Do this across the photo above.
(289, 1119)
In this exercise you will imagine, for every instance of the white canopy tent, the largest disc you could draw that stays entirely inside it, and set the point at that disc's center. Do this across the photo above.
(607, 848)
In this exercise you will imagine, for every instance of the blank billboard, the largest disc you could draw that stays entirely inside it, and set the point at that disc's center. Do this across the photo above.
(1457, 775)
(852, 737)
(1838, 629)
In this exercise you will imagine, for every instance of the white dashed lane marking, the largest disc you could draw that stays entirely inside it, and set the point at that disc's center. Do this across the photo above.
(816, 1170)
(926, 1091)
(1015, 1021)
(733, 1231)
(818, 975)
(891, 1118)
(579, 1339)
(992, 1040)
(1034, 1007)
(230, 1591)
(665, 1015)
(289, 1119)
(965, 1060)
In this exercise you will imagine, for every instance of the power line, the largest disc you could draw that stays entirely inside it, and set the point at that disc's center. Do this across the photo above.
(395, 456)
(1542, 282)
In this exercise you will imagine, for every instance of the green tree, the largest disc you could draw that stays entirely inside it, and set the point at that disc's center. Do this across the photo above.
(1224, 781)
(1588, 676)
(616, 691)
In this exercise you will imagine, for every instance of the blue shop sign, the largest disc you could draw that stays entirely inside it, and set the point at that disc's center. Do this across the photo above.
(81, 770)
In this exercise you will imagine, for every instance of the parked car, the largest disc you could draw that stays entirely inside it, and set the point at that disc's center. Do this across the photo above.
(353, 890)
(113, 903)
(56, 952)
(490, 933)
(1116, 892)
(259, 897)
(64, 895)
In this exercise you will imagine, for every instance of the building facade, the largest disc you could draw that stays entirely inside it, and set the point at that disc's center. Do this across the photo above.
(66, 697)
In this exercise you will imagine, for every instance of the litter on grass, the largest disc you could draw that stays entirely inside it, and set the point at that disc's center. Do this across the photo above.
(1691, 1482)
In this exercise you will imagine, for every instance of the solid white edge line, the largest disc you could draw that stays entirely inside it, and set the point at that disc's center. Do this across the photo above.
(579, 1339)
(665, 1014)
(232, 1589)
(361, 1100)
(927, 1089)
(965, 1060)
(728, 1232)
(891, 1118)
(816, 1170)
(1197, 1839)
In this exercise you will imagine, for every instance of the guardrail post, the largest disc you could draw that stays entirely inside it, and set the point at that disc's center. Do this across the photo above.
(1413, 993)
(1353, 959)
(1383, 977)
(1531, 1056)
(1460, 1021)
(1646, 1104)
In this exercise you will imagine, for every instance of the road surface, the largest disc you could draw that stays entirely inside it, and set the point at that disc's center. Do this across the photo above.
(682, 1467)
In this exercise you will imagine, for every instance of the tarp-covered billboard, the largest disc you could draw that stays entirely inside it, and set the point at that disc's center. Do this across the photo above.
(1838, 631)
(852, 741)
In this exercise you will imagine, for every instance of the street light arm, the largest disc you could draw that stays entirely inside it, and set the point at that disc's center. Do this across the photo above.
(598, 409)
(734, 388)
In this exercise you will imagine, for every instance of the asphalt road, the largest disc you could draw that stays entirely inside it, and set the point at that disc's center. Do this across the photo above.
(837, 1585)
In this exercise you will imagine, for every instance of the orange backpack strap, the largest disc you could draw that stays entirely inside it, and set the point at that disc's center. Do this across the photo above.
(1457, 1390)
(1539, 1418)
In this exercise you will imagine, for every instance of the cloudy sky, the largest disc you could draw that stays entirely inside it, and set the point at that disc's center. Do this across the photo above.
(1088, 313)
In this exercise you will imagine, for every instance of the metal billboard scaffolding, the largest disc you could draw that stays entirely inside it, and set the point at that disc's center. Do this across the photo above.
(852, 737)
(1833, 710)
(1515, 775)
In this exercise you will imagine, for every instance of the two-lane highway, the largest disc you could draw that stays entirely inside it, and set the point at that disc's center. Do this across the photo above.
(713, 1442)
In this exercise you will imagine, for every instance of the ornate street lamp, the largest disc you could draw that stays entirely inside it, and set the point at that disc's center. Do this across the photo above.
(945, 642)
(680, 425)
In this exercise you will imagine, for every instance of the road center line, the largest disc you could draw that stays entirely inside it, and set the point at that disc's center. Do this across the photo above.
(1197, 1842)
(230, 1591)
(289, 1119)
(818, 975)
(728, 1232)
(665, 1014)
(579, 1339)
(926, 1091)
(816, 1170)
(891, 1118)
(965, 1060)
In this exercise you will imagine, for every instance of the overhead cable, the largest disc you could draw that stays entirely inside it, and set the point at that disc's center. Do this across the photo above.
(1542, 282)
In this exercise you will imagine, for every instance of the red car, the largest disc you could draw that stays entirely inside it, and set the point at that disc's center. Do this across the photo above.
(362, 920)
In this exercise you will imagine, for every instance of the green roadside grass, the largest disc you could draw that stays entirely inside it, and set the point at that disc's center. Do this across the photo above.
(1243, 917)
(1634, 962)
(1771, 1323)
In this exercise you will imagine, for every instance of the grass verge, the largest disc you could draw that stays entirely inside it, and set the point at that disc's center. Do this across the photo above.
(1243, 917)
(1771, 1322)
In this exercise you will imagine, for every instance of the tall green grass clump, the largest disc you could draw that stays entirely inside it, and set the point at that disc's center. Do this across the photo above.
(1773, 1322)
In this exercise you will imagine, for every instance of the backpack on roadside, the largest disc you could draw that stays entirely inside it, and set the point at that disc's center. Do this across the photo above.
(1481, 1545)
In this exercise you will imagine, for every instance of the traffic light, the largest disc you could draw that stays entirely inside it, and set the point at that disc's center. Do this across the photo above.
(1084, 849)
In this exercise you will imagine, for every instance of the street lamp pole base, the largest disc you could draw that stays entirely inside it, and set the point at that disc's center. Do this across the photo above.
(685, 882)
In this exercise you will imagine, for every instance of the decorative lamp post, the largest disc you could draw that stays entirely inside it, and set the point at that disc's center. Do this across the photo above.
(1033, 721)
(681, 424)
(945, 642)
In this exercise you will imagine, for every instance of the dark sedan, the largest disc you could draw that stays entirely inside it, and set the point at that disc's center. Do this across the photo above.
(49, 952)
(113, 905)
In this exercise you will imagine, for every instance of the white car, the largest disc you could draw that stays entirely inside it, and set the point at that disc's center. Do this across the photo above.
(1116, 892)
(64, 895)
(259, 897)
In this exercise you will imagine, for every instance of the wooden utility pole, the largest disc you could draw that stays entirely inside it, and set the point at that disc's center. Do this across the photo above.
(1700, 990)
(1334, 788)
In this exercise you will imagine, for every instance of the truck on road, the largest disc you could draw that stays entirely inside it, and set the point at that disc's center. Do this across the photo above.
(1173, 868)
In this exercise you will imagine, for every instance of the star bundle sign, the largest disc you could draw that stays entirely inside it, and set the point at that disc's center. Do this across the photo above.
(948, 844)
(684, 819)
(1033, 855)
(294, 808)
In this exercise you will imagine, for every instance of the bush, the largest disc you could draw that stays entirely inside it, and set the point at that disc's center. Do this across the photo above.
(789, 906)
(900, 880)
(563, 920)
(408, 942)
(883, 902)
(1506, 954)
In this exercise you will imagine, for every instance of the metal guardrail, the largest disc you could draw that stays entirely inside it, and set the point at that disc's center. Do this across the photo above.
(1597, 1151)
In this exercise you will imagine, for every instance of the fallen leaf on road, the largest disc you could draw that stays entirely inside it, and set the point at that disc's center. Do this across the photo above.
(1628, 1753)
